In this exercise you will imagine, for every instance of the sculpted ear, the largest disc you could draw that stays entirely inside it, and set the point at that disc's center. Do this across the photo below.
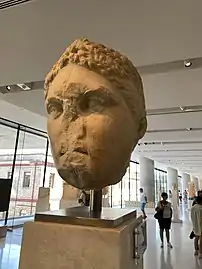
(142, 127)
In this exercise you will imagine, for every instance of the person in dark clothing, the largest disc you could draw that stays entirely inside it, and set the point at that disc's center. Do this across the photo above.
(195, 200)
(84, 198)
(164, 210)
(180, 196)
(199, 194)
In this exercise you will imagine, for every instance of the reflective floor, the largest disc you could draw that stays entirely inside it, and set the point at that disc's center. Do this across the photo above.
(10, 250)
(181, 256)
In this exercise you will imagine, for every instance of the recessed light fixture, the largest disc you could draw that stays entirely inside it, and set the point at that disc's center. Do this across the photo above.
(189, 129)
(181, 108)
(24, 87)
(187, 63)
(8, 88)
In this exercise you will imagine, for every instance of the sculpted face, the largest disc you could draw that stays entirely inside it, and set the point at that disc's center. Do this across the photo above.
(91, 130)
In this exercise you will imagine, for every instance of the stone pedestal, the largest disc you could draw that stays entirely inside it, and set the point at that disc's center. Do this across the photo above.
(3, 231)
(43, 202)
(58, 240)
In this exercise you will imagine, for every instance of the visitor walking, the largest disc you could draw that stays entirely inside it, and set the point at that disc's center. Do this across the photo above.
(180, 197)
(143, 202)
(185, 196)
(196, 217)
(164, 216)
(199, 193)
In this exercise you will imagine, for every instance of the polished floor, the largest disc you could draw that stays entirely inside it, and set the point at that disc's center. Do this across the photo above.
(181, 256)
(10, 250)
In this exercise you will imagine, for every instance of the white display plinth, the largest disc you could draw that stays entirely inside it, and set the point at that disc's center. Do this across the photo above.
(66, 246)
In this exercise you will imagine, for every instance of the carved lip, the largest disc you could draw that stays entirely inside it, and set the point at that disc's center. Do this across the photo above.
(81, 150)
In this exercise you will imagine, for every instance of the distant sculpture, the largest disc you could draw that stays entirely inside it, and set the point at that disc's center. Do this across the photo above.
(174, 197)
(96, 114)
(191, 190)
(175, 203)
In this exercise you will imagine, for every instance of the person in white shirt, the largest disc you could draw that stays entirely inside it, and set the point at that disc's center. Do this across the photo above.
(164, 211)
(143, 202)
(196, 217)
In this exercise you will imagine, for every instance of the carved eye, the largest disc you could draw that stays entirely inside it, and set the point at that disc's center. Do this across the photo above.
(92, 104)
(54, 108)
(95, 101)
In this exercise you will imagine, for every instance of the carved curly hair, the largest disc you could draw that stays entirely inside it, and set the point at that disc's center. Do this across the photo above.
(111, 64)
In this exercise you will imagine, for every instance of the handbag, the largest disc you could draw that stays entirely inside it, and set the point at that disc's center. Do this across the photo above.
(158, 215)
(192, 235)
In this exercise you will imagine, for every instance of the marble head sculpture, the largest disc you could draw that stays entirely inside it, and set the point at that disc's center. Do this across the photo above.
(96, 114)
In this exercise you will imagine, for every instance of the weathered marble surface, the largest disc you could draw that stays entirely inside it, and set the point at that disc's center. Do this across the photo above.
(58, 246)
(95, 114)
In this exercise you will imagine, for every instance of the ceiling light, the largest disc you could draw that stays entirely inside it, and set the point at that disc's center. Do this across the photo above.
(189, 129)
(8, 88)
(24, 87)
(182, 108)
(187, 63)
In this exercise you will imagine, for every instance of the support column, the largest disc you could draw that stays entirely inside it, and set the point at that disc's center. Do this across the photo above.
(200, 183)
(196, 183)
(172, 177)
(185, 181)
(147, 179)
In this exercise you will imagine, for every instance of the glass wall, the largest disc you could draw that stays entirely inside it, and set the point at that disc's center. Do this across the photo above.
(53, 181)
(7, 149)
(126, 192)
(26, 158)
(23, 159)
(160, 183)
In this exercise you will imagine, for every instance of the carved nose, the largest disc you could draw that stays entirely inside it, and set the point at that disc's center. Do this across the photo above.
(81, 128)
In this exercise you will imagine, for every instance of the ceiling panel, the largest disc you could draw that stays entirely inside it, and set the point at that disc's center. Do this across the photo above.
(175, 121)
(161, 32)
(173, 136)
(173, 89)
(157, 39)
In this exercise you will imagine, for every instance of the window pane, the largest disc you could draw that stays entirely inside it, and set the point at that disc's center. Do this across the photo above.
(126, 193)
(126, 188)
(28, 174)
(53, 180)
(160, 183)
(7, 145)
(134, 178)
(26, 180)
